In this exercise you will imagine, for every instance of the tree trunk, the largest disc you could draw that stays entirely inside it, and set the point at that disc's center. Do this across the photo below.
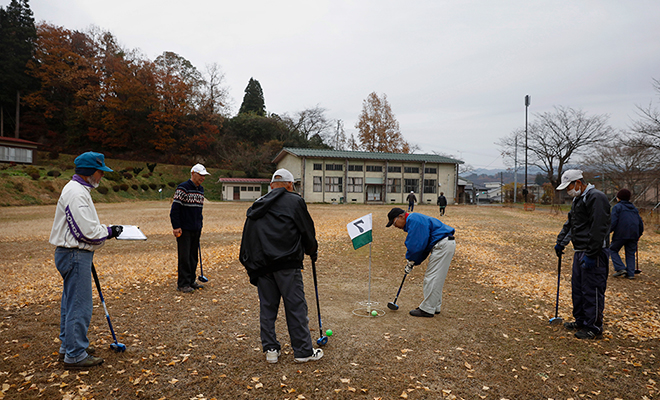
(18, 112)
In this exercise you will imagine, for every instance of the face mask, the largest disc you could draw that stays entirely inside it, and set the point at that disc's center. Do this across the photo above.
(574, 193)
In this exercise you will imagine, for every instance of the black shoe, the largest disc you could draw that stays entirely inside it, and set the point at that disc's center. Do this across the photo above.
(619, 273)
(437, 312)
(630, 276)
(196, 285)
(88, 362)
(185, 289)
(90, 350)
(417, 312)
(572, 326)
(587, 334)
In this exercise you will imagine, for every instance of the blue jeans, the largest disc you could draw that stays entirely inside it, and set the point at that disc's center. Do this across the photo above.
(630, 246)
(75, 266)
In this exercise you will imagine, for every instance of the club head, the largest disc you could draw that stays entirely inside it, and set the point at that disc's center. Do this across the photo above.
(322, 341)
(638, 271)
(556, 321)
(202, 278)
(118, 347)
(392, 306)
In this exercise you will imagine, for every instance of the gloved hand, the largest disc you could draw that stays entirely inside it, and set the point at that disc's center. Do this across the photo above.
(409, 266)
(314, 256)
(588, 262)
(559, 249)
(114, 231)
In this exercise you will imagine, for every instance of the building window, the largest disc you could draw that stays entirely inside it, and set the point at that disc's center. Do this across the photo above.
(354, 185)
(243, 189)
(333, 184)
(411, 185)
(257, 189)
(393, 169)
(374, 168)
(411, 170)
(9, 154)
(250, 189)
(334, 167)
(318, 184)
(429, 186)
(430, 170)
(393, 185)
(318, 167)
(352, 167)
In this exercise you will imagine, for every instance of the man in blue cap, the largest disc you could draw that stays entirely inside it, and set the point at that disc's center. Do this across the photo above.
(77, 233)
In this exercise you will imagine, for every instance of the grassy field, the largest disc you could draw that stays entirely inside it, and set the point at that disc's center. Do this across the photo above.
(491, 341)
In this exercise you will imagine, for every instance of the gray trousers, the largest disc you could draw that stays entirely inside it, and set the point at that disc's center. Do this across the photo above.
(436, 273)
(288, 285)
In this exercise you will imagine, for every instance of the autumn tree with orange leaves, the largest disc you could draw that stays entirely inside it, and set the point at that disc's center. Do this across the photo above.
(378, 127)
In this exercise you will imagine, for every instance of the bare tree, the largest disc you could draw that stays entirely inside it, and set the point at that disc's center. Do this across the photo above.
(339, 140)
(379, 129)
(647, 129)
(558, 138)
(215, 97)
(310, 122)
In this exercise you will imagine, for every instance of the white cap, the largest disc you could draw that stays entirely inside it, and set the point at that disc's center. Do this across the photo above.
(412, 192)
(569, 176)
(199, 168)
(282, 175)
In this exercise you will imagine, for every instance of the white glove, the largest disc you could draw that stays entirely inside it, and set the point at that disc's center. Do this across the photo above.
(409, 266)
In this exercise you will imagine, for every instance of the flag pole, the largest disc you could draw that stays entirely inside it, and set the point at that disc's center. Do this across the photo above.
(369, 300)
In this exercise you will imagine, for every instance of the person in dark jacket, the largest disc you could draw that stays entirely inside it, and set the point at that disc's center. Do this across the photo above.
(411, 201)
(442, 203)
(277, 234)
(627, 227)
(587, 228)
(186, 218)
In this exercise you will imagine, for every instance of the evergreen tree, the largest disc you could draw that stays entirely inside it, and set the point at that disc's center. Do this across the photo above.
(253, 101)
(17, 38)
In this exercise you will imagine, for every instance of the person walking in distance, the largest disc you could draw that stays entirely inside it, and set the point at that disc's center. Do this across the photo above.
(442, 203)
(277, 234)
(411, 201)
(427, 237)
(78, 233)
(587, 227)
(626, 227)
(186, 219)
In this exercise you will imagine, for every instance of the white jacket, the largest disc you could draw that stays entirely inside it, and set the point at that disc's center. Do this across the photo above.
(76, 223)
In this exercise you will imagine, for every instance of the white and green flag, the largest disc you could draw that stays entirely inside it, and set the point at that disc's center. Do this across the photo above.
(360, 231)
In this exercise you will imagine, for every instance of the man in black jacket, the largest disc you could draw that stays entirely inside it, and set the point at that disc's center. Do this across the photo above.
(587, 228)
(442, 203)
(277, 234)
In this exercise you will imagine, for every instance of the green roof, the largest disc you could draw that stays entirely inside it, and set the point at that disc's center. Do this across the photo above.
(365, 155)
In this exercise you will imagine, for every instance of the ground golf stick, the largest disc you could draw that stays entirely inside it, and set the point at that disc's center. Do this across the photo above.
(201, 278)
(557, 320)
(392, 304)
(322, 340)
(116, 346)
(637, 270)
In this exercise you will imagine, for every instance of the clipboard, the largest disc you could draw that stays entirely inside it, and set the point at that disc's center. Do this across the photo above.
(131, 232)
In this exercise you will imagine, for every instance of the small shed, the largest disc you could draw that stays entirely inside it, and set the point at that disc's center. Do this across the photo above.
(243, 189)
(17, 150)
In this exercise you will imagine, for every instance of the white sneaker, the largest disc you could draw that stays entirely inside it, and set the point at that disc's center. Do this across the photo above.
(316, 355)
(271, 356)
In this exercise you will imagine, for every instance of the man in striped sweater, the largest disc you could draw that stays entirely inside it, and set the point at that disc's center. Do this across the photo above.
(186, 218)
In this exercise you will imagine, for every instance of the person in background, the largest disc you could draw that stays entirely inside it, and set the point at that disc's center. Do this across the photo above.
(186, 219)
(442, 203)
(587, 228)
(427, 237)
(411, 201)
(277, 234)
(626, 227)
(77, 233)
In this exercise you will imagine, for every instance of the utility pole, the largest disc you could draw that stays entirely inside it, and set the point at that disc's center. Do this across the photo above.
(527, 102)
(515, 172)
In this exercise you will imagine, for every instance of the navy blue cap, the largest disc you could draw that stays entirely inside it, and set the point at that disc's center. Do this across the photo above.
(91, 160)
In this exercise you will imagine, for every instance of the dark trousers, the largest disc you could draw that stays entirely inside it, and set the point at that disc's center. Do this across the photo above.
(411, 206)
(630, 246)
(187, 246)
(286, 284)
(588, 286)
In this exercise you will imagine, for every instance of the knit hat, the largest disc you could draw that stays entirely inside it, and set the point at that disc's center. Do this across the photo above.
(624, 194)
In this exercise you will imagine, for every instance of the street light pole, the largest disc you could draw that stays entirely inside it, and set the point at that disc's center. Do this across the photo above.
(527, 102)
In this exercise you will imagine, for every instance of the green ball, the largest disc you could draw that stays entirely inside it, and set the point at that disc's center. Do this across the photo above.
(374, 313)
(328, 332)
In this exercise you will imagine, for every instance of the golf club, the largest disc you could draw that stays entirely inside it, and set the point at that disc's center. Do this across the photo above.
(321, 341)
(637, 270)
(557, 320)
(392, 304)
(116, 346)
(201, 278)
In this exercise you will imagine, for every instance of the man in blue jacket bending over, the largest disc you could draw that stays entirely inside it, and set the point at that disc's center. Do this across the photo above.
(427, 237)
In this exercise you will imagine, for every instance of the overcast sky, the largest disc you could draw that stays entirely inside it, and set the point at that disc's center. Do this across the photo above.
(455, 72)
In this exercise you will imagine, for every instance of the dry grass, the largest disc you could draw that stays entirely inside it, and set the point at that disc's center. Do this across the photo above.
(491, 341)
